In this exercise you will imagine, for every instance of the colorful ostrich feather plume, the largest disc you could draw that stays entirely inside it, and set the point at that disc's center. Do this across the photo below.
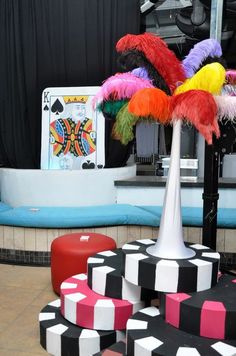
(210, 78)
(199, 108)
(123, 127)
(199, 53)
(120, 86)
(226, 107)
(158, 54)
(150, 104)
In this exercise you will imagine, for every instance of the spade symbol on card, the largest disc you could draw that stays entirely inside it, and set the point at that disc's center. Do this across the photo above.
(46, 108)
(57, 107)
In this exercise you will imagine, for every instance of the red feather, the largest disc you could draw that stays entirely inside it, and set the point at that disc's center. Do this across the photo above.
(158, 54)
(199, 108)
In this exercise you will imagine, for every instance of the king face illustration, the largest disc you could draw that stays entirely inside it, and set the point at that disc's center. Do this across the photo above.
(73, 134)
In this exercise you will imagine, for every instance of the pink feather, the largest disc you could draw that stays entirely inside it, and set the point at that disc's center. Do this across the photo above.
(231, 76)
(226, 107)
(199, 108)
(120, 86)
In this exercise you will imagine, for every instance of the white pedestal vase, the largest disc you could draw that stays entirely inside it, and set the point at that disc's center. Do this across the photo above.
(170, 243)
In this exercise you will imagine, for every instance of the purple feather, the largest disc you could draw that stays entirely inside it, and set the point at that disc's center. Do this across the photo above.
(140, 72)
(200, 52)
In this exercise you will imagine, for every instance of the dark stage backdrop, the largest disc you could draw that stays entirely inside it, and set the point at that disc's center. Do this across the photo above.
(48, 43)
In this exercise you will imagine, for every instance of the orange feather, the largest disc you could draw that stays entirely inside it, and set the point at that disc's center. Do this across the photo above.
(150, 103)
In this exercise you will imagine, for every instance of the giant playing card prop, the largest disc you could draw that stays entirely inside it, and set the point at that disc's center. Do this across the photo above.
(72, 132)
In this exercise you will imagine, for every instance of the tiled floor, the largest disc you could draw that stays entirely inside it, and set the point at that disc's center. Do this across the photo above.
(24, 291)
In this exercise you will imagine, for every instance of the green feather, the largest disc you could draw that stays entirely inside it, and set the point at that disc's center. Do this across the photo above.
(123, 127)
(111, 107)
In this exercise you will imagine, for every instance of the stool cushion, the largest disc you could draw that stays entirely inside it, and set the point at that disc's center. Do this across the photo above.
(69, 254)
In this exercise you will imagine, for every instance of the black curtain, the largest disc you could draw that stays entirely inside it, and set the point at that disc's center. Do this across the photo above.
(116, 154)
(47, 43)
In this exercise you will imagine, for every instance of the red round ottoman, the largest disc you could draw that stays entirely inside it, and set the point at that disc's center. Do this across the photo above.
(69, 254)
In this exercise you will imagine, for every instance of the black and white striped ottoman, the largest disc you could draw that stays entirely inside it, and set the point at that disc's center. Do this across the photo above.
(61, 338)
(210, 313)
(149, 335)
(82, 306)
(193, 274)
(105, 278)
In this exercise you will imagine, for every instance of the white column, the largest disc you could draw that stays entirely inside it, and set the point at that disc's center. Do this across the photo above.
(170, 242)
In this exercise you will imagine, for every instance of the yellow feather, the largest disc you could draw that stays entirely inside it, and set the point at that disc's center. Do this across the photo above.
(210, 78)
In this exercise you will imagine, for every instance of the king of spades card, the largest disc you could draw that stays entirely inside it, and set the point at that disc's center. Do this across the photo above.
(75, 130)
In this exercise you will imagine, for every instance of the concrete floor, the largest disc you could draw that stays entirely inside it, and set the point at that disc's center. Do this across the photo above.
(24, 291)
